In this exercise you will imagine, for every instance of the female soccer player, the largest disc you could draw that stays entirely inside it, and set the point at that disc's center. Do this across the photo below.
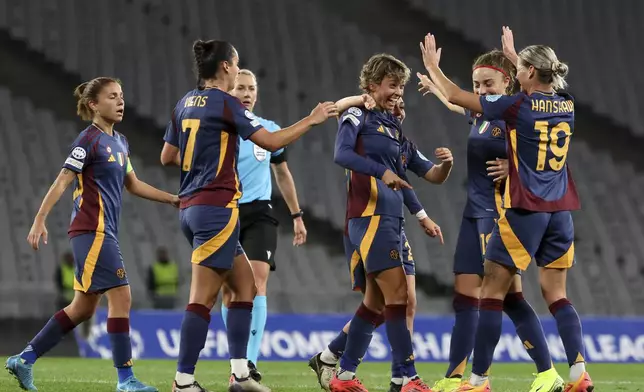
(368, 144)
(99, 164)
(202, 138)
(492, 74)
(258, 226)
(539, 195)
(323, 364)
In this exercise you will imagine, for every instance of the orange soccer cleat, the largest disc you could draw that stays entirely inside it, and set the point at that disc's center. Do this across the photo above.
(583, 384)
(337, 385)
(466, 386)
(416, 385)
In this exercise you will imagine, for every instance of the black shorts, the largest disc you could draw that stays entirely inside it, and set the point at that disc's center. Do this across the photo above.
(258, 235)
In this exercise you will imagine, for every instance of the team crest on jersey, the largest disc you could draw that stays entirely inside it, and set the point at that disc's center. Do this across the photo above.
(120, 273)
(109, 149)
(121, 158)
(260, 153)
(484, 127)
(394, 254)
(496, 132)
(403, 158)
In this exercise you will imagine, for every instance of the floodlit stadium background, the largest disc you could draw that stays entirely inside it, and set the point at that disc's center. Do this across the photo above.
(304, 52)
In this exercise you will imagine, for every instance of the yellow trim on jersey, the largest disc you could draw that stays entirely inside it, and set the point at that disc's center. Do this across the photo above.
(498, 200)
(355, 260)
(368, 237)
(566, 260)
(517, 252)
(130, 168)
(373, 199)
(78, 192)
(223, 146)
(211, 246)
(515, 158)
(94, 251)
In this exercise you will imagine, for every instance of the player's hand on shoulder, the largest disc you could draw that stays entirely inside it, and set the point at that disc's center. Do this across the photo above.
(444, 154)
(369, 102)
(37, 231)
(323, 111)
(393, 181)
(431, 228)
(498, 169)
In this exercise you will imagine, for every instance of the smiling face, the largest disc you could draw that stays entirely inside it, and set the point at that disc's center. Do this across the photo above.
(488, 81)
(246, 90)
(399, 110)
(387, 93)
(109, 103)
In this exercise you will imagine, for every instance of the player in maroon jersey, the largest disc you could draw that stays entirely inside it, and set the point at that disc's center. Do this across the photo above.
(539, 196)
(99, 165)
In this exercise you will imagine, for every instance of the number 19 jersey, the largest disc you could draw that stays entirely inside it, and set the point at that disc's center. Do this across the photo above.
(539, 127)
(205, 126)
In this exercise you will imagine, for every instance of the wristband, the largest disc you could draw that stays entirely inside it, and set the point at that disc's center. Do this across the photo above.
(298, 214)
(421, 215)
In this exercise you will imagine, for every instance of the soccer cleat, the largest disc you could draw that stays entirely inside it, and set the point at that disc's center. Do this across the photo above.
(466, 386)
(548, 381)
(354, 385)
(447, 384)
(324, 371)
(132, 384)
(246, 384)
(583, 384)
(254, 373)
(393, 387)
(416, 385)
(194, 387)
(21, 372)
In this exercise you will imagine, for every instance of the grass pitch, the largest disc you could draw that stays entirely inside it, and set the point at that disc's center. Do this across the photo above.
(81, 375)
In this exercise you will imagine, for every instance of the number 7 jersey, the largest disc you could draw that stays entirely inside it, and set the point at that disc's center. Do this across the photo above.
(538, 132)
(205, 126)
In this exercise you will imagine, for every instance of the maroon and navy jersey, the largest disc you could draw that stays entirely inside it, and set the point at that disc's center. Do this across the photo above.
(101, 163)
(486, 142)
(205, 126)
(368, 143)
(539, 128)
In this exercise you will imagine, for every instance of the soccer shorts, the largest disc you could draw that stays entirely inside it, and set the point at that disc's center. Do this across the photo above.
(522, 235)
(258, 231)
(470, 246)
(98, 263)
(407, 256)
(213, 233)
(377, 245)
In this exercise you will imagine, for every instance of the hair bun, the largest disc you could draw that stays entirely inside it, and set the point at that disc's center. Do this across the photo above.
(559, 68)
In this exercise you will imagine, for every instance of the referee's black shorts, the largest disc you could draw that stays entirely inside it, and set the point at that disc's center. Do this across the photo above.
(258, 234)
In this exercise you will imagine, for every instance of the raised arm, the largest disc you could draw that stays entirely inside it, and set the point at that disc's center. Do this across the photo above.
(454, 94)
(355, 100)
(426, 86)
(273, 141)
